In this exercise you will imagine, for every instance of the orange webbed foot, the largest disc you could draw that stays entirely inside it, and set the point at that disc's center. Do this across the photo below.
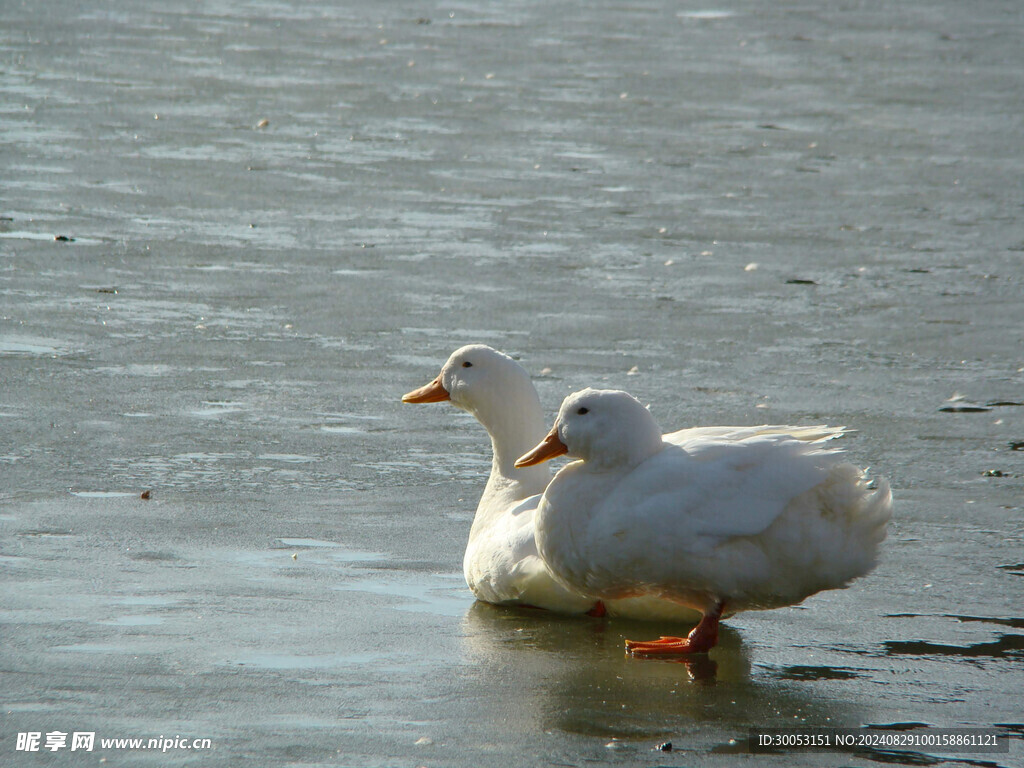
(663, 646)
(700, 640)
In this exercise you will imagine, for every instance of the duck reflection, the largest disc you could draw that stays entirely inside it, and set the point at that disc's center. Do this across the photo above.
(575, 676)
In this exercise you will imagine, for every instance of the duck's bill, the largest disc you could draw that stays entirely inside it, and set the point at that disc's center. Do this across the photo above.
(548, 448)
(434, 392)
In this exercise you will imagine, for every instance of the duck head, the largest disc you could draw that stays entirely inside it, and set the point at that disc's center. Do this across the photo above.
(607, 428)
(479, 379)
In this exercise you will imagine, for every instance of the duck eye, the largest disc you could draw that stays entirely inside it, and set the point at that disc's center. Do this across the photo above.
(583, 411)
(467, 364)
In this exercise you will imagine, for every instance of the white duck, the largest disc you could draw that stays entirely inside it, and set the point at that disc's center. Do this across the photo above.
(501, 564)
(715, 523)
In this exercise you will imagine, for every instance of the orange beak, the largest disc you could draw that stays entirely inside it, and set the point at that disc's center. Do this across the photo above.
(548, 448)
(434, 392)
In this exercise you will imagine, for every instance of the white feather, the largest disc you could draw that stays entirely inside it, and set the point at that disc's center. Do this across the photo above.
(754, 518)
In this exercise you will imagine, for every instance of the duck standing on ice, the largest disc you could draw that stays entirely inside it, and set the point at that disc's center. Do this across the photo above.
(501, 563)
(716, 524)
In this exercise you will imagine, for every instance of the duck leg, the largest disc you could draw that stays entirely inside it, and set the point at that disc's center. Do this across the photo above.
(700, 640)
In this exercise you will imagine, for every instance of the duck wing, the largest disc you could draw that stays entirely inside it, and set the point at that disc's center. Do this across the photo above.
(696, 437)
(702, 495)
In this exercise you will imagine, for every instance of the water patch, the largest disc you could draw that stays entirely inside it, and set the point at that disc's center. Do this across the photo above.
(203, 457)
(283, 555)
(154, 556)
(355, 416)
(44, 533)
(29, 706)
(283, 661)
(1007, 646)
(1014, 622)
(243, 383)
(189, 469)
(455, 333)
(308, 543)
(288, 458)
(102, 494)
(335, 551)
(358, 272)
(276, 560)
(354, 556)
(240, 266)
(802, 672)
(96, 648)
(207, 153)
(441, 465)
(137, 369)
(215, 409)
(152, 601)
(29, 346)
(424, 597)
(706, 15)
(50, 237)
(133, 621)
(417, 361)
(540, 249)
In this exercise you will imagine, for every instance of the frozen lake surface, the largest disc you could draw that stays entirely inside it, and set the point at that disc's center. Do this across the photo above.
(232, 235)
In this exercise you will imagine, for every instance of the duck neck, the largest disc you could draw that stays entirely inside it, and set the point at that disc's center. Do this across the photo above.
(515, 426)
